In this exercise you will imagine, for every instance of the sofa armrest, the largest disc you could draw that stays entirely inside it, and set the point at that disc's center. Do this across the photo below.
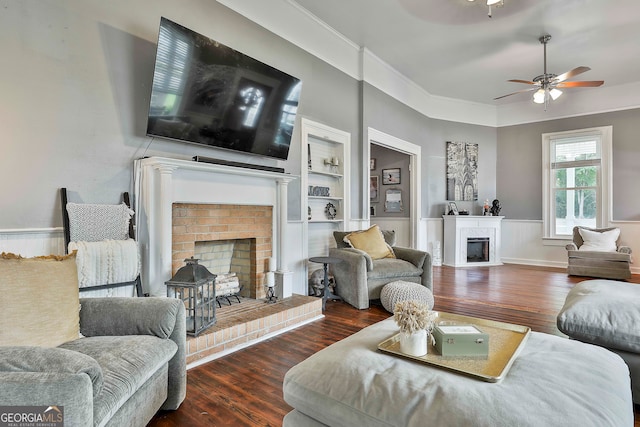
(413, 256)
(70, 391)
(571, 247)
(19, 359)
(128, 316)
(624, 250)
(34, 376)
(351, 276)
(157, 316)
(420, 259)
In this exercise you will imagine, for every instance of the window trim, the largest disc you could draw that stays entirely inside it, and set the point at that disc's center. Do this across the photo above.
(605, 133)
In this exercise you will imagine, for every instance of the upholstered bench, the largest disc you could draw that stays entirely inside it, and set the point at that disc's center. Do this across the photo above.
(606, 313)
(554, 382)
(400, 290)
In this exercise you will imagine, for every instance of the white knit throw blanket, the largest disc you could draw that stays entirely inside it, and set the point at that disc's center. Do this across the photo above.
(106, 262)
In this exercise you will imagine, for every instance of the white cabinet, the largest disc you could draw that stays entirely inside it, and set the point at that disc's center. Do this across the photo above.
(325, 184)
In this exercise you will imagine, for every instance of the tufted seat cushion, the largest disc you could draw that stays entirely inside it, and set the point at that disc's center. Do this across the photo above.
(395, 292)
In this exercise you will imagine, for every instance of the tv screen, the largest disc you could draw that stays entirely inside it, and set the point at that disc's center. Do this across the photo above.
(207, 93)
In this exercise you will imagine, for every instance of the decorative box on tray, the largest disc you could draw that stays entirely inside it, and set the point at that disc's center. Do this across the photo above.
(461, 340)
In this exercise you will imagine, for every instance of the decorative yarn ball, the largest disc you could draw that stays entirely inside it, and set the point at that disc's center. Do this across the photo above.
(403, 291)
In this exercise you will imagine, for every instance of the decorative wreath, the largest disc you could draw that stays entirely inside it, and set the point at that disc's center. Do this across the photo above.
(330, 210)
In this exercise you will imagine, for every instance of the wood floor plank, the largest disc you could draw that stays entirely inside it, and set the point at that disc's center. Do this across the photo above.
(245, 387)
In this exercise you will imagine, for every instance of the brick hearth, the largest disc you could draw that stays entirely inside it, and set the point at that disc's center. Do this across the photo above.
(240, 325)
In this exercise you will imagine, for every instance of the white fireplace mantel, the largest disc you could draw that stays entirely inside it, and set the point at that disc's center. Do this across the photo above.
(159, 182)
(459, 228)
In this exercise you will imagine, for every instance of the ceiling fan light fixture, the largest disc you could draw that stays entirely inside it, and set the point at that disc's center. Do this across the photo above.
(555, 93)
(492, 2)
(539, 96)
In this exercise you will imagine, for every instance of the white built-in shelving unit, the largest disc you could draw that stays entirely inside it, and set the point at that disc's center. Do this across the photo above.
(326, 164)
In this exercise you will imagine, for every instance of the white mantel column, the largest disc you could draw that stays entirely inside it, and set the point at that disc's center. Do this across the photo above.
(284, 277)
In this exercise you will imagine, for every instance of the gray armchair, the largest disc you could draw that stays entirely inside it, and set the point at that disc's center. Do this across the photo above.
(607, 265)
(360, 279)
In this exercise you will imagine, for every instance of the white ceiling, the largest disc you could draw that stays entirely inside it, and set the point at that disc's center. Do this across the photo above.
(452, 48)
(448, 60)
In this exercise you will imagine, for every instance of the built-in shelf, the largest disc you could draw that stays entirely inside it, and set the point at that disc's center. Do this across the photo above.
(326, 165)
(325, 198)
(332, 174)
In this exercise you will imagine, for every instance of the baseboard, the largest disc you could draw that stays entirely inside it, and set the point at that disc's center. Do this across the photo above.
(535, 263)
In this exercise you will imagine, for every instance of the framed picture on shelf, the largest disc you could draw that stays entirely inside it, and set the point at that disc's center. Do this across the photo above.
(372, 164)
(391, 176)
(453, 208)
(374, 189)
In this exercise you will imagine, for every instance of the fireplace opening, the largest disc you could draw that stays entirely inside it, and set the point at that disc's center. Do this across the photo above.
(231, 260)
(477, 249)
(236, 228)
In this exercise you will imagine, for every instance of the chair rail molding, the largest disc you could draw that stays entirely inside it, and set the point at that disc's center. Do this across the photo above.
(30, 242)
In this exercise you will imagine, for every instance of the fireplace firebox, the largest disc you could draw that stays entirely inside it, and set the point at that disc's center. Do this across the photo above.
(478, 249)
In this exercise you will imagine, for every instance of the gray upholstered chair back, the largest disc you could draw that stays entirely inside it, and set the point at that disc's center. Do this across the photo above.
(389, 237)
(577, 238)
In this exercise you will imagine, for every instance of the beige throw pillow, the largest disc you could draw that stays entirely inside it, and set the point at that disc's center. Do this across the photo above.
(371, 241)
(40, 300)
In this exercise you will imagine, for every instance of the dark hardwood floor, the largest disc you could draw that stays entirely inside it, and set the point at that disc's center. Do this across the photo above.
(245, 388)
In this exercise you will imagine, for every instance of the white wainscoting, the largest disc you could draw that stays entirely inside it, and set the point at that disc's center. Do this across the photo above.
(30, 242)
(522, 242)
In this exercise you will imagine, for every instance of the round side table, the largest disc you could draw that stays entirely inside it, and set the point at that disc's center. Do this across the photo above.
(325, 261)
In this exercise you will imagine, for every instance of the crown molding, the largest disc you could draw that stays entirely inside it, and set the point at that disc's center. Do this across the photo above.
(289, 20)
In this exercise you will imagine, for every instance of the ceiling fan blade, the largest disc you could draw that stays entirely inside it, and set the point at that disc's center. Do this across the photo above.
(514, 93)
(569, 74)
(593, 83)
(527, 82)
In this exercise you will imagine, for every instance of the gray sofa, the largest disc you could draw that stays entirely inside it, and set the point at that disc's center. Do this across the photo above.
(360, 279)
(130, 362)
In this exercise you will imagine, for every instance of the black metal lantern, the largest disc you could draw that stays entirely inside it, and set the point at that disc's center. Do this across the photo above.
(195, 286)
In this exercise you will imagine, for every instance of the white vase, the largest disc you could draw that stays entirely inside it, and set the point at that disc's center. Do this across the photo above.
(414, 344)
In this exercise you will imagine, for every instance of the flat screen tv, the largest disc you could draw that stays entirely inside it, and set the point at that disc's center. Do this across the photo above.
(209, 94)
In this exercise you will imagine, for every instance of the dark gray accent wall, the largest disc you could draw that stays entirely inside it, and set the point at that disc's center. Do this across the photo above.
(519, 163)
(386, 114)
(390, 159)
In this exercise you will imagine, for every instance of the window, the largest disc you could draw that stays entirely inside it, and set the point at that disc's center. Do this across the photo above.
(576, 180)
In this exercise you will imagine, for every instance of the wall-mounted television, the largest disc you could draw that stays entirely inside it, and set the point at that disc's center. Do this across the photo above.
(209, 94)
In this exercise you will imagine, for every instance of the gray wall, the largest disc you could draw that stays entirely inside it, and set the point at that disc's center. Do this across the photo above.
(385, 114)
(519, 163)
(75, 91)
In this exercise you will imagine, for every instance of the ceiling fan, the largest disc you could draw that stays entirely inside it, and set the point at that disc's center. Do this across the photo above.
(548, 85)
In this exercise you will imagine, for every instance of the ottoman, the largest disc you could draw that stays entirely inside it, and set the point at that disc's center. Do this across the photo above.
(553, 382)
(400, 290)
(606, 313)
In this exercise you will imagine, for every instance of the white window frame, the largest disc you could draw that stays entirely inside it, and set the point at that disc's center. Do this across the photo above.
(605, 208)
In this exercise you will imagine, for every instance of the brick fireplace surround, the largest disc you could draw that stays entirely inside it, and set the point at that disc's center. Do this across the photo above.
(205, 222)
